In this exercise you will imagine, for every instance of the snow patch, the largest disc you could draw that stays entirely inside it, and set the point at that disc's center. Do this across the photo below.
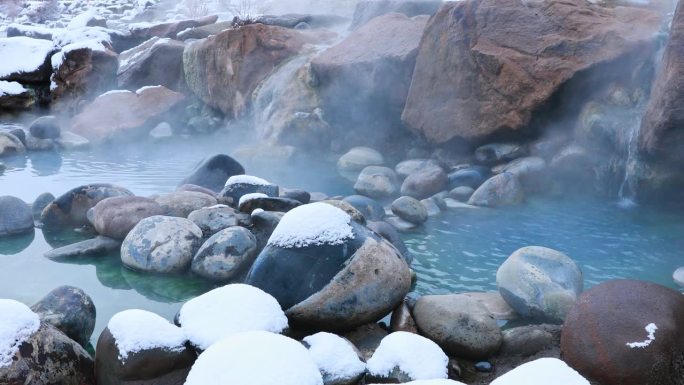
(334, 356)
(22, 54)
(81, 35)
(11, 88)
(650, 329)
(255, 358)
(81, 21)
(543, 371)
(247, 179)
(435, 382)
(229, 310)
(114, 92)
(417, 356)
(249, 197)
(17, 324)
(137, 330)
(312, 224)
(143, 89)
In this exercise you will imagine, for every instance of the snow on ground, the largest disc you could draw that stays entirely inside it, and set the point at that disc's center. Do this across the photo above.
(17, 324)
(335, 356)
(312, 224)
(543, 371)
(11, 88)
(255, 358)
(247, 179)
(417, 356)
(22, 54)
(436, 382)
(137, 330)
(251, 196)
(228, 310)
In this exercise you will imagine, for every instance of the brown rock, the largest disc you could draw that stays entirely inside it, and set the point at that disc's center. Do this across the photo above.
(155, 62)
(484, 67)
(115, 217)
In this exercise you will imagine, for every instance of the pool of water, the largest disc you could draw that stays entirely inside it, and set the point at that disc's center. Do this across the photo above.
(457, 251)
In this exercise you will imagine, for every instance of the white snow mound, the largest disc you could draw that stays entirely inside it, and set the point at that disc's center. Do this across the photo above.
(335, 356)
(17, 324)
(417, 356)
(255, 358)
(228, 310)
(11, 88)
(312, 224)
(247, 179)
(22, 54)
(543, 371)
(433, 382)
(250, 196)
(136, 330)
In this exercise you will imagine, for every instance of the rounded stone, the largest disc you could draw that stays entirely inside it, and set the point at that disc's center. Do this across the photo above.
(45, 127)
(494, 153)
(240, 185)
(540, 283)
(425, 183)
(161, 244)
(391, 234)
(359, 158)
(216, 218)
(226, 254)
(500, 190)
(214, 171)
(410, 209)
(72, 207)
(115, 217)
(377, 182)
(40, 203)
(70, 310)
(468, 177)
(182, 203)
(267, 204)
(10, 144)
(15, 216)
(412, 166)
(461, 193)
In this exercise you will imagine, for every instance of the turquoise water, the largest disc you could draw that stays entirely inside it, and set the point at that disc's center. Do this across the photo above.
(457, 251)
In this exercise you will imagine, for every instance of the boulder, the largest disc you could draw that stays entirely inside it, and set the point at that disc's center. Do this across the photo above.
(353, 161)
(225, 255)
(540, 283)
(35, 144)
(302, 196)
(263, 224)
(347, 368)
(345, 276)
(250, 202)
(146, 31)
(500, 190)
(239, 185)
(70, 310)
(425, 183)
(182, 203)
(475, 78)
(366, 338)
(412, 166)
(216, 218)
(204, 31)
(390, 233)
(530, 171)
(462, 326)
(402, 320)
(394, 361)
(626, 332)
(161, 244)
(525, 341)
(30, 60)
(125, 113)
(71, 208)
(214, 171)
(462, 193)
(469, 176)
(40, 203)
(158, 61)
(371, 209)
(15, 216)
(367, 10)
(115, 217)
(377, 182)
(70, 141)
(10, 144)
(88, 248)
(14, 97)
(45, 127)
(410, 209)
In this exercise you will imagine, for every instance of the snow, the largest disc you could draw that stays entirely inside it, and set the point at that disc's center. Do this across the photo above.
(312, 224)
(32, 30)
(435, 382)
(114, 92)
(247, 179)
(80, 35)
(255, 358)
(58, 58)
(17, 324)
(250, 196)
(136, 330)
(417, 356)
(143, 89)
(543, 371)
(22, 54)
(650, 329)
(11, 88)
(228, 310)
(334, 356)
(82, 19)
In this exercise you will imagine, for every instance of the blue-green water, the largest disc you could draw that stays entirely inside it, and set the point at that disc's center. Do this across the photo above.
(457, 251)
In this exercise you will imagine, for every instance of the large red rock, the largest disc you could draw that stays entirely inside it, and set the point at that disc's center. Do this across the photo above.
(158, 61)
(609, 337)
(485, 66)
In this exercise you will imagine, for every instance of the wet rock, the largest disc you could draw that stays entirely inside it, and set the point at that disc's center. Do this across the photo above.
(459, 324)
(70, 310)
(267, 203)
(370, 208)
(388, 232)
(626, 332)
(45, 127)
(462, 193)
(263, 224)
(477, 90)
(494, 303)
(500, 190)
(425, 184)
(40, 203)
(239, 185)
(214, 171)
(216, 218)
(366, 338)
(483, 366)
(19, 132)
(182, 203)
(540, 283)
(96, 246)
(525, 340)
(410, 209)
(573, 168)
(115, 217)
(346, 274)
(299, 195)
(158, 61)
(70, 141)
(35, 144)
(529, 170)
(495, 153)
(10, 144)
(226, 254)
(353, 161)
(412, 166)
(125, 114)
(469, 176)
(35, 60)
(402, 320)
(367, 10)
(377, 182)
(71, 208)
(15, 216)
(161, 244)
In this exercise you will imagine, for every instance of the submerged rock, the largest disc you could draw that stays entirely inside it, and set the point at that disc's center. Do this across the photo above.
(214, 171)
(115, 217)
(500, 190)
(226, 254)
(71, 208)
(70, 310)
(90, 247)
(15, 216)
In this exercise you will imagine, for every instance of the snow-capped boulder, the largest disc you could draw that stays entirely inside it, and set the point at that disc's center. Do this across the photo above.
(432, 382)
(15, 216)
(70, 310)
(225, 255)
(71, 208)
(13, 96)
(255, 358)
(250, 202)
(214, 171)
(238, 185)
(115, 217)
(17, 324)
(138, 345)
(228, 310)
(25, 60)
(403, 357)
(145, 31)
(182, 203)
(328, 271)
(543, 371)
(337, 359)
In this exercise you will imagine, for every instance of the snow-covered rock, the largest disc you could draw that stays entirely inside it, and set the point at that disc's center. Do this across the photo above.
(432, 382)
(229, 310)
(239, 185)
(11, 88)
(543, 371)
(135, 330)
(255, 358)
(336, 358)
(250, 196)
(406, 356)
(24, 59)
(313, 224)
(247, 179)
(17, 324)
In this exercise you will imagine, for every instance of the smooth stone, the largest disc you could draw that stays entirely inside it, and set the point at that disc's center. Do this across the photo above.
(40, 203)
(431, 207)
(410, 209)
(358, 158)
(71, 208)
(462, 193)
(19, 133)
(195, 188)
(366, 338)
(45, 127)
(269, 204)
(213, 219)
(483, 367)
(70, 141)
(500, 190)
(36, 144)
(90, 247)
(402, 320)
(425, 183)
(299, 195)
(371, 209)
(182, 203)
(525, 341)
(15, 216)
(390, 233)
(412, 166)
(115, 217)
(453, 204)
(347, 208)
(263, 224)
(401, 225)
(214, 171)
(10, 144)
(70, 310)
(226, 254)
(235, 191)
(678, 276)
(469, 177)
(377, 182)
(494, 303)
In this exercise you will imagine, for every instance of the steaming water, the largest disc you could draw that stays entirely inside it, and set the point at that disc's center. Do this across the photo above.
(458, 251)
(627, 192)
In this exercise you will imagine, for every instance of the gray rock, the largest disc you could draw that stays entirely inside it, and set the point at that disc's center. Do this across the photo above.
(425, 183)
(216, 218)
(214, 171)
(351, 163)
(299, 195)
(161, 244)
(263, 224)
(45, 127)
(71, 208)
(15, 216)
(182, 203)
(388, 232)
(19, 133)
(70, 141)
(10, 144)
(410, 209)
(678, 276)
(401, 225)
(90, 247)
(494, 303)
(195, 188)
(366, 338)
(115, 217)
(377, 182)
(161, 131)
(462, 193)
(431, 207)
(453, 204)
(40, 203)
(459, 324)
(540, 283)
(500, 190)
(525, 341)
(412, 166)
(2, 167)
(70, 310)
(494, 153)
(226, 254)
(36, 144)
(371, 209)
(530, 170)
(468, 176)
(268, 204)
(402, 320)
